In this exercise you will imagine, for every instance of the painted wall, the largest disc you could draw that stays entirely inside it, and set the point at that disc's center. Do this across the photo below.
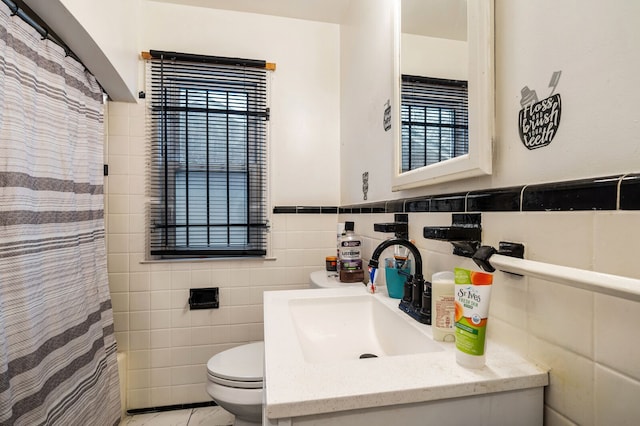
(103, 35)
(305, 110)
(595, 47)
(167, 344)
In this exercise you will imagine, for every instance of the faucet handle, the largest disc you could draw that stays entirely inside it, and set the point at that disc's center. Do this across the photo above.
(426, 302)
(400, 226)
(464, 233)
(401, 230)
(407, 288)
(416, 296)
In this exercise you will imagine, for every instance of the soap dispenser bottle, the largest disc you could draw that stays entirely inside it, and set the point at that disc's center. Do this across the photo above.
(350, 261)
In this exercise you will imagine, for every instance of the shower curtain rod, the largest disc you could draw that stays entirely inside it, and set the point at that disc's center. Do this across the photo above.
(44, 32)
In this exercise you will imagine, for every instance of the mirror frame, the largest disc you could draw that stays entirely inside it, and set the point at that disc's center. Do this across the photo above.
(478, 162)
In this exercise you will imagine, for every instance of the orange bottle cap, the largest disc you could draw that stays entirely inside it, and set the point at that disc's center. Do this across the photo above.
(481, 278)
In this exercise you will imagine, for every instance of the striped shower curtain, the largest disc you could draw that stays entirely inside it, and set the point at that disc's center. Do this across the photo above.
(57, 346)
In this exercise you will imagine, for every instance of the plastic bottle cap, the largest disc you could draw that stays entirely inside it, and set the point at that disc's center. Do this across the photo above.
(481, 278)
(446, 276)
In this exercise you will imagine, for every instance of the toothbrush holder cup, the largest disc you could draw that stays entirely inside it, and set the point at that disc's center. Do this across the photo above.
(396, 273)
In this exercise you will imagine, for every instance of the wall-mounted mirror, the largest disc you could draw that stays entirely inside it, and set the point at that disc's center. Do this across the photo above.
(444, 50)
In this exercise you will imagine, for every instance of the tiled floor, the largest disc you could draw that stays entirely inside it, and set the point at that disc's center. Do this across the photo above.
(205, 416)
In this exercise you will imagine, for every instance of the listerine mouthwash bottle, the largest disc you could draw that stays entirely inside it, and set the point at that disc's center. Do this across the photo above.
(350, 257)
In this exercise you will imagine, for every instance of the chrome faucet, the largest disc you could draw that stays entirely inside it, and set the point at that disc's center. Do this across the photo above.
(416, 299)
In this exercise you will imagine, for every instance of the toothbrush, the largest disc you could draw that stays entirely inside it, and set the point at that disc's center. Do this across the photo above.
(401, 254)
(373, 274)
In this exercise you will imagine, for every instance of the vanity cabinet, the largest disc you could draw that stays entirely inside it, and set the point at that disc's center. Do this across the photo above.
(522, 408)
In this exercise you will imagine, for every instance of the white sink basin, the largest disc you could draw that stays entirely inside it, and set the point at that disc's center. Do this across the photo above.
(313, 342)
(351, 327)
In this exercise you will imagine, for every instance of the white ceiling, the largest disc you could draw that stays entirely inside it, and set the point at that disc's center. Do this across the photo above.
(313, 10)
(435, 18)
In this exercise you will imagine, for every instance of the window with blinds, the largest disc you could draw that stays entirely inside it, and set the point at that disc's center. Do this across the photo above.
(208, 180)
(434, 115)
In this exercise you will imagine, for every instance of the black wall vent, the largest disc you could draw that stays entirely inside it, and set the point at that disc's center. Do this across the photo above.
(204, 298)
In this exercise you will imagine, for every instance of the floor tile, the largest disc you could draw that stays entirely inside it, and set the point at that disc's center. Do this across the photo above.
(210, 416)
(204, 416)
(165, 418)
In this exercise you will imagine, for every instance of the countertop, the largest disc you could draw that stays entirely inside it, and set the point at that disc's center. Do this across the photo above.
(294, 387)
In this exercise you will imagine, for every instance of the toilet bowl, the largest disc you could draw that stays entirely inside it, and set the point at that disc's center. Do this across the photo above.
(235, 376)
(235, 379)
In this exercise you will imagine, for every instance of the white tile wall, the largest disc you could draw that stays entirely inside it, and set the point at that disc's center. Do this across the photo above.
(169, 345)
(615, 330)
(616, 398)
(561, 315)
(586, 340)
(552, 417)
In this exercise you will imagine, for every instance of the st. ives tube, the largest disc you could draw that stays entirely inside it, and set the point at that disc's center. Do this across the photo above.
(472, 295)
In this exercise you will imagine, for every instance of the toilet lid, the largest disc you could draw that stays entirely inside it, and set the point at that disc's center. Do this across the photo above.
(240, 364)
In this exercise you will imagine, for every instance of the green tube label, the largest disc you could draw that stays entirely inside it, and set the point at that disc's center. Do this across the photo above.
(472, 293)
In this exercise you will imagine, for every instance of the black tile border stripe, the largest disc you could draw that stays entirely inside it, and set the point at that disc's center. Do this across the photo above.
(495, 200)
(163, 408)
(447, 203)
(593, 194)
(630, 192)
(619, 192)
(305, 210)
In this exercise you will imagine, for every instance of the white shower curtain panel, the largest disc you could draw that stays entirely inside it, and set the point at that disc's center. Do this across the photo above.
(57, 345)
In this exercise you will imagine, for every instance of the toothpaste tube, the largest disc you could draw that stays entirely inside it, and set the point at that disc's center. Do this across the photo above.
(472, 295)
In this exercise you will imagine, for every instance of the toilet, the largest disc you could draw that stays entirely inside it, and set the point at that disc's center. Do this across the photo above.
(235, 379)
(235, 376)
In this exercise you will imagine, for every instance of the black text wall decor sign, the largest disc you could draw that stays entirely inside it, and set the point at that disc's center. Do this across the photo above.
(386, 120)
(365, 185)
(538, 121)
